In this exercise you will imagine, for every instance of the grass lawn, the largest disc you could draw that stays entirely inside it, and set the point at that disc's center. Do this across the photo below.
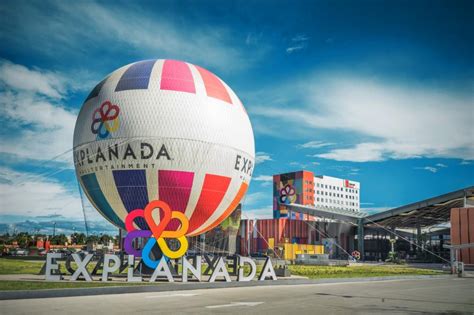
(320, 272)
(19, 266)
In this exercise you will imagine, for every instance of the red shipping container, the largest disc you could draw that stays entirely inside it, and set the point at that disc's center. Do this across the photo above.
(470, 214)
(462, 231)
(464, 220)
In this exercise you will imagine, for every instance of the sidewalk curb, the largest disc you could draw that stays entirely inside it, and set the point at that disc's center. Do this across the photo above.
(177, 286)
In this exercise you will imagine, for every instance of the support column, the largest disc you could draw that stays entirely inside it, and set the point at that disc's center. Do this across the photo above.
(418, 238)
(360, 238)
(120, 239)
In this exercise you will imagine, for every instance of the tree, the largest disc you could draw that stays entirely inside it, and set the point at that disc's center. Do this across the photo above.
(105, 239)
(60, 239)
(81, 239)
(92, 239)
(78, 238)
(23, 239)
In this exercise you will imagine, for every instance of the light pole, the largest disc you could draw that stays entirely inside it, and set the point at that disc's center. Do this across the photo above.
(54, 229)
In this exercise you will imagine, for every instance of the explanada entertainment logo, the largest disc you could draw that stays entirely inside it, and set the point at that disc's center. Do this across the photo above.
(157, 233)
(288, 194)
(216, 266)
(105, 120)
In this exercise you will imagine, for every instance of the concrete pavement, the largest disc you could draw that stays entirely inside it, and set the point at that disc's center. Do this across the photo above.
(429, 295)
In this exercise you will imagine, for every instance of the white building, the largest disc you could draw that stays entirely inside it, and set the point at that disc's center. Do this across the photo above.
(336, 193)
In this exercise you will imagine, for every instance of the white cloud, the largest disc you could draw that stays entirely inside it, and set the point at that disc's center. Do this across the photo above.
(20, 78)
(374, 210)
(77, 28)
(261, 157)
(432, 169)
(36, 196)
(395, 122)
(263, 178)
(254, 198)
(253, 39)
(294, 48)
(300, 38)
(258, 213)
(30, 201)
(298, 42)
(298, 164)
(314, 145)
(363, 152)
(428, 168)
(40, 128)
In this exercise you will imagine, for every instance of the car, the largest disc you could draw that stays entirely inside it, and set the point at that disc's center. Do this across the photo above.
(21, 252)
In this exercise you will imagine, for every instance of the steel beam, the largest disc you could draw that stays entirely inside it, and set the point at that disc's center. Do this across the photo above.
(467, 192)
(360, 238)
(341, 215)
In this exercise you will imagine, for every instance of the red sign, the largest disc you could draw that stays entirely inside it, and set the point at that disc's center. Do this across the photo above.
(348, 184)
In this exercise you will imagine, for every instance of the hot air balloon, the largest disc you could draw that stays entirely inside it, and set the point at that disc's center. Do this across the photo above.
(164, 130)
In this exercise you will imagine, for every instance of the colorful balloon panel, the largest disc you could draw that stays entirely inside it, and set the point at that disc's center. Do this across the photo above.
(166, 130)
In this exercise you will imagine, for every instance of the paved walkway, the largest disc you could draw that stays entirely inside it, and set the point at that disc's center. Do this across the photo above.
(162, 286)
(422, 296)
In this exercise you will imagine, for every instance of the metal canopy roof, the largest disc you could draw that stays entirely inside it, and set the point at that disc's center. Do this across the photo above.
(424, 213)
(334, 214)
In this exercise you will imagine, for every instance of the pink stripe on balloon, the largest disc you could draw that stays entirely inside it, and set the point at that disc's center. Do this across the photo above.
(176, 76)
(174, 188)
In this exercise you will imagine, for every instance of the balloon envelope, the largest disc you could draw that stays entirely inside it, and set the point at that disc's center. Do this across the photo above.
(167, 130)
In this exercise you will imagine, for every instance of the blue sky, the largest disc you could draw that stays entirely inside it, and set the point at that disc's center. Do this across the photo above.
(377, 92)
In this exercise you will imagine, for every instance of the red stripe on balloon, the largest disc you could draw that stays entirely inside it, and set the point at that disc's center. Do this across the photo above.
(213, 190)
(233, 205)
(174, 188)
(176, 76)
(214, 86)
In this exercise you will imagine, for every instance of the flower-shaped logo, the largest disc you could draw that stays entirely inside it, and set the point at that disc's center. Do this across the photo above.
(105, 120)
(157, 232)
(356, 255)
(287, 194)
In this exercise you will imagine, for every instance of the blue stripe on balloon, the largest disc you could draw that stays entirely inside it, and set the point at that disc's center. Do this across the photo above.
(95, 92)
(136, 76)
(132, 188)
(92, 187)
